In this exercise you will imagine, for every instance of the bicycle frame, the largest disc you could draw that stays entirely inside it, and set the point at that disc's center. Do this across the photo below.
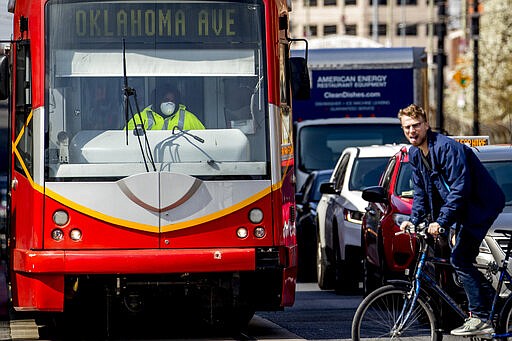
(422, 277)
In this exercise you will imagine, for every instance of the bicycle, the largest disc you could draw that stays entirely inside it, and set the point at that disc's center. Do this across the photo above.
(412, 309)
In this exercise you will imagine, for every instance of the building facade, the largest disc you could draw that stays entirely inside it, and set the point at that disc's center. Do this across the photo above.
(388, 22)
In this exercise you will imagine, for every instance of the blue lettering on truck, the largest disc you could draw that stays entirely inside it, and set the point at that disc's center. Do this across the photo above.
(356, 93)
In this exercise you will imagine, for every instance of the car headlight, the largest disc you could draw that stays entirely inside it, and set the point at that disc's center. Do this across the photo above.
(355, 217)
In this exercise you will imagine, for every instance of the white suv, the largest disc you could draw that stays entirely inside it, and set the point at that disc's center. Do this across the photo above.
(340, 212)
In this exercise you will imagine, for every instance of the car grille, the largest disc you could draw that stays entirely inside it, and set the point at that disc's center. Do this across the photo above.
(502, 242)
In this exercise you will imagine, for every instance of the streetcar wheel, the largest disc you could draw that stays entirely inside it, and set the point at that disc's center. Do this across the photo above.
(378, 312)
(241, 317)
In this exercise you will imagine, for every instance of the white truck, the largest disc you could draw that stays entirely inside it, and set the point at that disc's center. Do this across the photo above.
(355, 97)
(358, 83)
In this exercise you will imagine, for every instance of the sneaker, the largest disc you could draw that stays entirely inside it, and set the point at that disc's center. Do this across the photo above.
(473, 326)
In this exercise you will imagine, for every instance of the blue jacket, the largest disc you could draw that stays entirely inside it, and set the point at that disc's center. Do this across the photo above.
(471, 198)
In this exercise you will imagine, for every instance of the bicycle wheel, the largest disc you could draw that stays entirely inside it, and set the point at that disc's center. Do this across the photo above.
(505, 322)
(378, 313)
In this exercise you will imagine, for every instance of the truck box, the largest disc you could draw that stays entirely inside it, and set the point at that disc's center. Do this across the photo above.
(356, 94)
(363, 82)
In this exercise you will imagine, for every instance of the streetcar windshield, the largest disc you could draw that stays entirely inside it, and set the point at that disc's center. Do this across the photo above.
(156, 85)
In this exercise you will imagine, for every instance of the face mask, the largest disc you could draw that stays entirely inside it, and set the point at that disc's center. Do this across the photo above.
(167, 108)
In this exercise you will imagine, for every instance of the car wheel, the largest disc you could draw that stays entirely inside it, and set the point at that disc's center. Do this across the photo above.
(348, 271)
(307, 254)
(324, 273)
(382, 272)
(371, 277)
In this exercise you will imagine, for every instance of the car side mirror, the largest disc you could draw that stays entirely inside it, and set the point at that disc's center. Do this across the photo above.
(328, 188)
(375, 194)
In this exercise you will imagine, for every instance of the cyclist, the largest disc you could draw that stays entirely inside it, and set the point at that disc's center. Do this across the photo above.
(456, 191)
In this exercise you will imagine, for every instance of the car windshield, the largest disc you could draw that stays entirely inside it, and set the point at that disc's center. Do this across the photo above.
(499, 170)
(367, 172)
(321, 145)
(404, 181)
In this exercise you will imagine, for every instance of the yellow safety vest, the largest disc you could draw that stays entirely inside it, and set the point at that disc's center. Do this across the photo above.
(183, 119)
(150, 119)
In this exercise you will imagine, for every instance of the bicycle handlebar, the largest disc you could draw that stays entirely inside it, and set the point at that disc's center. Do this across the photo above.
(419, 229)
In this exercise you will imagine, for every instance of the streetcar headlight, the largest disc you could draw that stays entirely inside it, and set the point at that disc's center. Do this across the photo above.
(75, 234)
(242, 232)
(255, 215)
(259, 232)
(57, 234)
(60, 217)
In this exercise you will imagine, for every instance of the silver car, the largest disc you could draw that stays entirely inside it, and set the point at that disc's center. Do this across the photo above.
(498, 161)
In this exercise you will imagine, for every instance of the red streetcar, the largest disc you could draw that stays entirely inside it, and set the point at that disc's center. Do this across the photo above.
(206, 215)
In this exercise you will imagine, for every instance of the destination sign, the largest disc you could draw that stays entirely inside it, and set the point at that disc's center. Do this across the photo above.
(163, 22)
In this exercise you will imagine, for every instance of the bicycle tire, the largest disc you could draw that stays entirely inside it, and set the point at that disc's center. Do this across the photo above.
(505, 321)
(378, 312)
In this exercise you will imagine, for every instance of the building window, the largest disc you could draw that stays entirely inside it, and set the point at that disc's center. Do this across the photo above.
(351, 30)
(350, 2)
(410, 29)
(380, 2)
(330, 3)
(310, 31)
(330, 29)
(310, 3)
(407, 2)
(381, 32)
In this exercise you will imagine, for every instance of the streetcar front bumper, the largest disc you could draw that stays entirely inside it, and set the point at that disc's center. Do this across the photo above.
(38, 276)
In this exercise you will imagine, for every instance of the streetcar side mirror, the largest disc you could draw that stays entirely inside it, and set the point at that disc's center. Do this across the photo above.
(300, 78)
(4, 77)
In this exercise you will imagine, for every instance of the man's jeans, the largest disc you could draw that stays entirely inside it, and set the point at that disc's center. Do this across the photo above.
(478, 290)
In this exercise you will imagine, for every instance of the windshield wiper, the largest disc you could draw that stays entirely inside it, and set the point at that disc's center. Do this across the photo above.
(211, 162)
(185, 132)
(128, 112)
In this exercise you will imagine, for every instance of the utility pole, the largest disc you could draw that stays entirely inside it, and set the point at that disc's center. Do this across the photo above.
(475, 31)
(402, 21)
(441, 62)
(375, 23)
